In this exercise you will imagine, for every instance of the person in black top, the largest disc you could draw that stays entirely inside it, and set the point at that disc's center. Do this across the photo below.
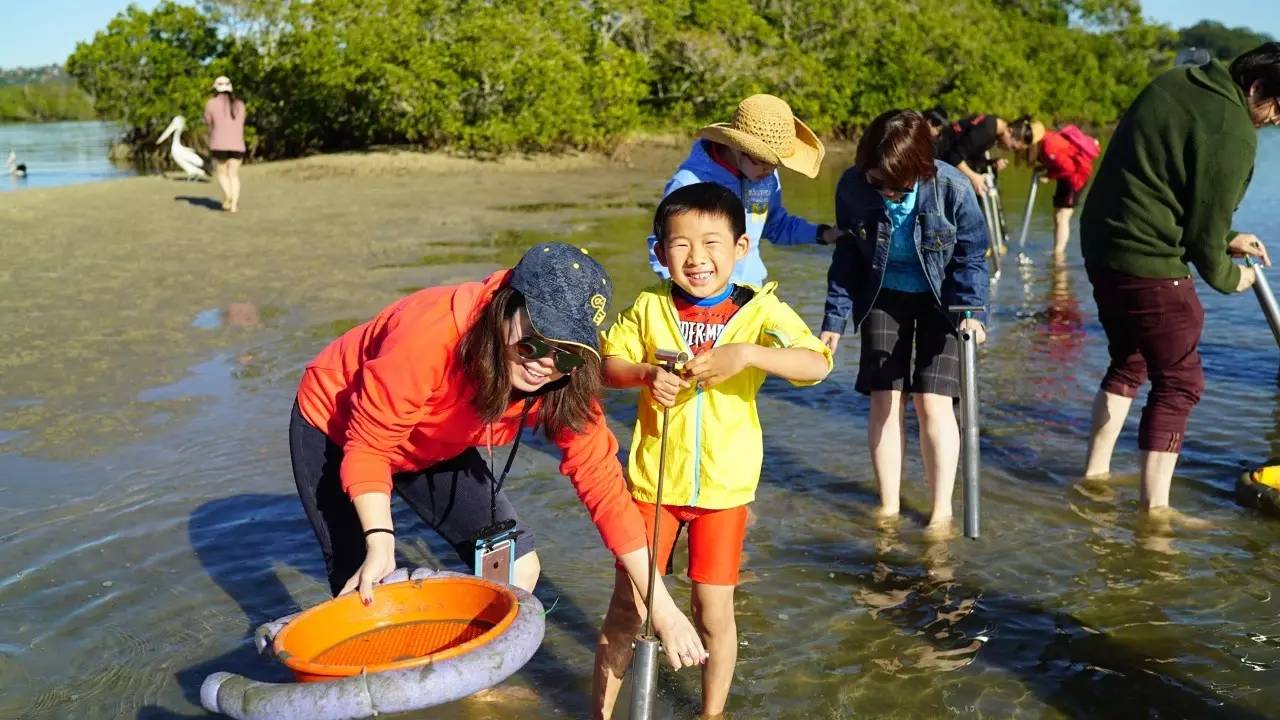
(965, 143)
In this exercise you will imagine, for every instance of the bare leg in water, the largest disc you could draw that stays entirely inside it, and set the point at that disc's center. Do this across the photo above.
(1109, 412)
(940, 448)
(887, 439)
(1061, 233)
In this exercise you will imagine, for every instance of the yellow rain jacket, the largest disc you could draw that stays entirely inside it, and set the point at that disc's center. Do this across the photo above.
(714, 444)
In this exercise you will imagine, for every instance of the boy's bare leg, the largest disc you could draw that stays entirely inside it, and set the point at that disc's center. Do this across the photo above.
(887, 441)
(1109, 412)
(713, 615)
(614, 648)
(940, 447)
(1061, 233)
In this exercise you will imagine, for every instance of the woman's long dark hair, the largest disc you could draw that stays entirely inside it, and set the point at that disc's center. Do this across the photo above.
(231, 98)
(898, 146)
(567, 404)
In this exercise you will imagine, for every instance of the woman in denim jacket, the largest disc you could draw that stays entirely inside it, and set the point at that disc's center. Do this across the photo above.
(918, 246)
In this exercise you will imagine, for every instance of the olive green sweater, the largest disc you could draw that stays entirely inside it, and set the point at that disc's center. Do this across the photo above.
(1175, 170)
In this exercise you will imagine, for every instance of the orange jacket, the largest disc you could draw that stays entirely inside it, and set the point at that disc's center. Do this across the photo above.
(390, 392)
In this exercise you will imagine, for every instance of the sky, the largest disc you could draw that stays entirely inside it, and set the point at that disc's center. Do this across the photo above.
(43, 32)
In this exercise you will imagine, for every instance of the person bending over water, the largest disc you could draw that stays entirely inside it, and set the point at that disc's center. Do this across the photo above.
(1162, 201)
(402, 402)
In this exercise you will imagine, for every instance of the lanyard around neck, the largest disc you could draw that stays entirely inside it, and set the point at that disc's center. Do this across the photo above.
(495, 482)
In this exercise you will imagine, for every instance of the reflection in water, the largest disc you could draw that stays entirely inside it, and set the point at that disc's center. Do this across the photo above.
(1060, 335)
(923, 601)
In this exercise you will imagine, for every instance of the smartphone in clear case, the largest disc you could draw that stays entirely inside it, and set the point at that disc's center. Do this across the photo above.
(495, 554)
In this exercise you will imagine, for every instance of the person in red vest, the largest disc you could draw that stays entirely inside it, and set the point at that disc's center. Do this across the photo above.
(1064, 155)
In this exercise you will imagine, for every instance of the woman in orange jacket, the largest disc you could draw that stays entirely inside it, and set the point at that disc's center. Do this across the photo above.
(404, 402)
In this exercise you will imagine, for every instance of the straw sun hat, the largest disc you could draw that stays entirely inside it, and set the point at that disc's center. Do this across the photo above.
(764, 128)
(1037, 132)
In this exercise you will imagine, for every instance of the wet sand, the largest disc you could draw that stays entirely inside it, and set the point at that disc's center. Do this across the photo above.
(111, 288)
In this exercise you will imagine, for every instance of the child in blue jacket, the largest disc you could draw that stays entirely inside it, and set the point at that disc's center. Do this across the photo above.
(744, 156)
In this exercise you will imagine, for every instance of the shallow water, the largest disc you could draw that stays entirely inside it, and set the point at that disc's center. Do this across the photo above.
(126, 578)
(61, 153)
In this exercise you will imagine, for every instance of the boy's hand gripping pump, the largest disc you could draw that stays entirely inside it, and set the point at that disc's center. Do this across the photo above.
(644, 670)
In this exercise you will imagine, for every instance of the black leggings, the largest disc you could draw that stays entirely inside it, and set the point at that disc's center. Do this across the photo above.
(451, 496)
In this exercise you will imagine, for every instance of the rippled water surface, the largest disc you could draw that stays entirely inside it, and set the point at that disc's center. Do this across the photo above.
(126, 578)
(62, 153)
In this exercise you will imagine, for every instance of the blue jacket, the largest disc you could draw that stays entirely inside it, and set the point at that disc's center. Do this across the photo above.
(950, 239)
(765, 215)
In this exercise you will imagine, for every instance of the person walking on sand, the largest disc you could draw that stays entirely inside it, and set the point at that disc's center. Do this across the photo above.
(224, 115)
(918, 246)
(737, 335)
(1162, 201)
(744, 156)
(403, 402)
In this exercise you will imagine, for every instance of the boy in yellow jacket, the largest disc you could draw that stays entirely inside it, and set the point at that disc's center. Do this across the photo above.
(736, 335)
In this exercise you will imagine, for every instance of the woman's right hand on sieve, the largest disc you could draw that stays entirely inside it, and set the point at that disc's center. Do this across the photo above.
(379, 562)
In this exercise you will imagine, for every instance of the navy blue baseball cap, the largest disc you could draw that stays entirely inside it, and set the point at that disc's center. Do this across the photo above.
(566, 293)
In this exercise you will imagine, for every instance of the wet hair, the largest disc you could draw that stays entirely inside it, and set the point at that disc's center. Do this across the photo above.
(898, 146)
(568, 404)
(705, 198)
(1261, 65)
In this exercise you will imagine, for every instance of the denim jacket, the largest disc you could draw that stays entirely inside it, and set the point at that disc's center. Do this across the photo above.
(950, 238)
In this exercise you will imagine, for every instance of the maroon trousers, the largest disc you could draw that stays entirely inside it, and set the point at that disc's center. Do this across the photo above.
(1153, 326)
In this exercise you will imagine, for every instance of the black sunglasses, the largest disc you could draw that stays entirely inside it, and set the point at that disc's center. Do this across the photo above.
(531, 347)
(879, 186)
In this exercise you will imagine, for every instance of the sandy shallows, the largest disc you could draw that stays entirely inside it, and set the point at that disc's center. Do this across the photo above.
(111, 290)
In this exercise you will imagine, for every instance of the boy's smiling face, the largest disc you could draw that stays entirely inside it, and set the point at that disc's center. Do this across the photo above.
(700, 251)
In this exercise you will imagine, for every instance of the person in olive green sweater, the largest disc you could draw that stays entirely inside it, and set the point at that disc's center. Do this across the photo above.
(1177, 167)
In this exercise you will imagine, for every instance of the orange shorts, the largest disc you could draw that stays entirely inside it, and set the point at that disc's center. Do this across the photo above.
(715, 540)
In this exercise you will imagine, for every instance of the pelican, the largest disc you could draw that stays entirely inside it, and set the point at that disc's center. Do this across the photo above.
(186, 158)
(14, 167)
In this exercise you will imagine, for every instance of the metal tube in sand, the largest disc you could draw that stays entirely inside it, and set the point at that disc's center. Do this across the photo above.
(1026, 216)
(1266, 299)
(969, 422)
(644, 662)
(993, 227)
(644, 676)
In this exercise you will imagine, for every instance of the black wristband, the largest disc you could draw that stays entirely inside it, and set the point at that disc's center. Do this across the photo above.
(388, 531)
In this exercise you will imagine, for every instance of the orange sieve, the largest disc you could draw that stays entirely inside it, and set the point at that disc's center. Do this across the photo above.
(408, 624)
